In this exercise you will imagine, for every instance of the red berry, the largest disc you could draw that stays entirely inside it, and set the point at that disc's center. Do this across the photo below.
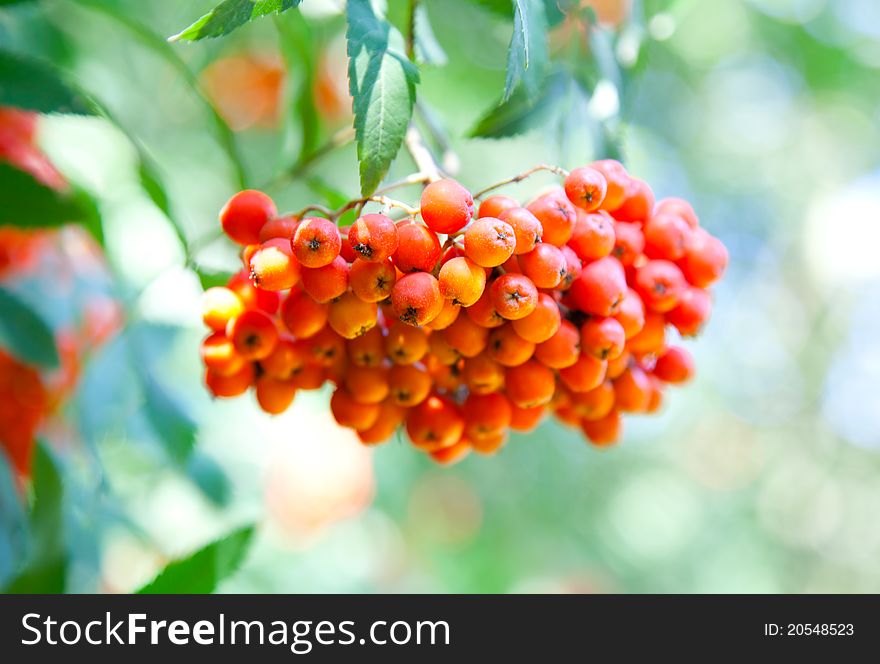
(245, 214)
(446, 206)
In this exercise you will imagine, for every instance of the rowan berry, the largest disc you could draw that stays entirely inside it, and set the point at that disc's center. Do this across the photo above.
(367, 350)
(557, 216)
(245, 214)
(585, 374)
(273, 266)
(666, 236)
(652, 337)
(345, 250)
(448, 456)
(482, 375)
(486, 415)
(573, 268)
(446, 206)
(680, 208)
(638, 202)
(434, 424)
(596, 403)
(390, 417)
(409, 384)
(507, 348)
(281, 227)
(374, 237)
(603, 338)
(631, 314)
(231, 385)
(586, 188)
(489, 242)
(405, 344)
(704, 260)
(545, 265)
(542, 323)
(483, 312)
(593, 235)
(466, 336)
(605, 431)
(316, 242)
(462, 281)
(310, 377)
(445, 377)
(629, 242)
(514, 296)
(442, 350)
(660, 284)
(562, 349)
(525, 419)
(326, 283)
(219, 355)
(251, 296)
(674, 365)
(616, 179)
(349, 316)
(416, 298)
(367, 384)
(618, 365)
(495, 205)
(447, 316)
(253, 333)
(526, 228)
(274, 396)
(302, 316)
(530, 384)
(287, 359)
(219, 306)
(350, 413)
(489, 444)
(600, 287)
(632, 390)
(692, 311)
(418, 248)
(326, 347)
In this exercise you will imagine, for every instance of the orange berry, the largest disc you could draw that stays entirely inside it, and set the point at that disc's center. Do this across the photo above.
(466, 336)
(544, 265)
(350, 316)
(605, 431)
(350, 413)
(495, 205)
(390, 417)
(651, 338)
(367, 384)
(245, 214)
(530, 384)
(434, 424)
(310, 377)
(542, 323)
(562, 349)
(409, 384)
(482, 375)
(632, 390)
(675, 365)
(219, 306)
(631, 314)
(219, 355)
(274, 396)
(678, 207)
(483, 312)
(618, 365)
(273, 266)
(508, 348)
(373, 237)
(405, 344)
(489, 241)
(525, 420)
(286, 359)
(462, 281)
(448, 456)
(372, 282)
(367, 350)
(557, 216)
(232, 385)
(418, 248)
(600, 288)
(616, 179)
(325, 347)
(489, 444)
(446, 377)
(629, 242)
(593, 236)
(446, 206)
(573, 268)
(447, 316)
(660, 284)
(586, 188)
(251, 296)
(302, 315)
(705, 259)
(253, 334)
(345, 249)
(316, 242)
(596, 403)
(327, 282)
(486, 415)
(416, 298)
(585, 374)
(638, 202)
(514, 296)
(666, 236)
(603, 338)
(526, 228)
(281, 227)
(691, 312)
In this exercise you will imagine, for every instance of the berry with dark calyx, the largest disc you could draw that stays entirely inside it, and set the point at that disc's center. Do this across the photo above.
(417, 249)
(316, 242)
(586, 188)
(273, 266)
(446, 206)
(416, 298)
(373, 237)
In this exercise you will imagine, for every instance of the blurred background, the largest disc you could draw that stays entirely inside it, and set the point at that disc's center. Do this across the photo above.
(763, 475)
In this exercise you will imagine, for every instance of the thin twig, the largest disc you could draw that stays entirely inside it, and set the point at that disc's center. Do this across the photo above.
(334, 215)
(522, 176)
(409, 180)
(421, 155)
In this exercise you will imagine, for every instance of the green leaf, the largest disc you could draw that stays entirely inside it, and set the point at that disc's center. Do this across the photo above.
(231, 14)
(37, 86)
(519, 114)
(527, 56)
(24, 333)
(428, 49)
(382, 82)
(211, 278)
(13, 525)
(46, 571)
(28, 203)
(169, 420)
(205, 569)
(210, 478)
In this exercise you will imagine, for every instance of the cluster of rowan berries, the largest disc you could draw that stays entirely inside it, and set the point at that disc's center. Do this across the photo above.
(465, 326)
